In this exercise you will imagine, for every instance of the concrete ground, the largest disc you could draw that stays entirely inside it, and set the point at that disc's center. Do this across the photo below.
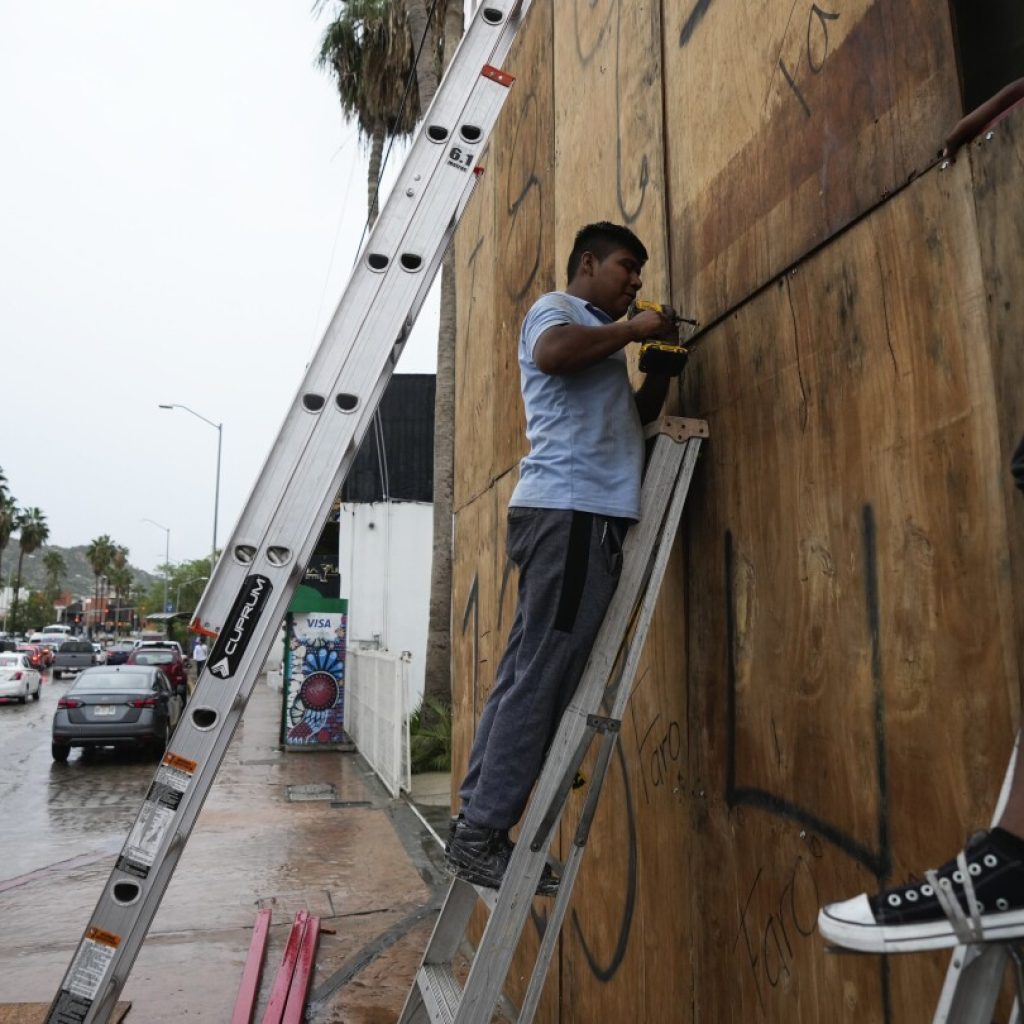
(364, 863)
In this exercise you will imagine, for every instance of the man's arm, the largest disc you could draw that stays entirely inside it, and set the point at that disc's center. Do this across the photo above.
(569, 348)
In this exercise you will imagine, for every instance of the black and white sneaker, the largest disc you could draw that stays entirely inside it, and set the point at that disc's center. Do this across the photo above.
(481, 856)
(976, 897)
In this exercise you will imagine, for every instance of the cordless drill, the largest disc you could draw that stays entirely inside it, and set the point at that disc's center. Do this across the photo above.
(665, 354)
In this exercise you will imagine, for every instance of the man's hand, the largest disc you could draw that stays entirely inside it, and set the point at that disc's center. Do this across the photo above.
(649, 324)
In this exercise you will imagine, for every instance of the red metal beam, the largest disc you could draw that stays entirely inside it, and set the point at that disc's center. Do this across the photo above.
(283, 978)
(303, 973)
(245, 1004)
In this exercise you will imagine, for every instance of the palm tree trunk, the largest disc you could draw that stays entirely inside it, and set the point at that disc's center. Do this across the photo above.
(438, 677)
(454, 26)
(17, 591)
(373, 173)
(426, 69)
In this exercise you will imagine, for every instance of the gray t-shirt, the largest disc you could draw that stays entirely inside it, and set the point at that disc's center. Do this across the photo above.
(586, 440)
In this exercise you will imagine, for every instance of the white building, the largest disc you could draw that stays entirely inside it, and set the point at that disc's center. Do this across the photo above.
(386, 528)
(7, 598)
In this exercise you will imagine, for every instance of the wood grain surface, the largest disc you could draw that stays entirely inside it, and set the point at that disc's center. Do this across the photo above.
(832, 684)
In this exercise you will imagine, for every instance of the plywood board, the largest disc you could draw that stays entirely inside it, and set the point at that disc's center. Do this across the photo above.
(504, 250)
(475, 348)
(609, 162)
(524, 212)
(35, 1013)
(622, 940)
(997, 163)
(850, 630)
(787, 119)
(474, 598)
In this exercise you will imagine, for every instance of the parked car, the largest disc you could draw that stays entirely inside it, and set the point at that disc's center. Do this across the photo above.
(73, 656)
(170, 661)
(18, 679)
(116, 706)
(117, 653)
(39, 657)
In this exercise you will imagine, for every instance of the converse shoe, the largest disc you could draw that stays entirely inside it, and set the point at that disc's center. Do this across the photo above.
(480, 856)
(976, 897)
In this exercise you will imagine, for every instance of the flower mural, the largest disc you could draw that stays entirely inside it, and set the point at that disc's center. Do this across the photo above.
(316, 682)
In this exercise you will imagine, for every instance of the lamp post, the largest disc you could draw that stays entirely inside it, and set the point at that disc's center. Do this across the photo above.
(185, 583)
(219, 427)
(167, 554)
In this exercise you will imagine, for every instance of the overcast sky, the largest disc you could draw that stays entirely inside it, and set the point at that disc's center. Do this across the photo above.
(180, 203)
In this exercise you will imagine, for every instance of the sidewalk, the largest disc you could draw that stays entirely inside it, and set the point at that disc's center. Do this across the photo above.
(365, 864)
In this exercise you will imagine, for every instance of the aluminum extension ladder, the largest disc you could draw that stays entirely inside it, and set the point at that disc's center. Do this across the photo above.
(247, 596)
(607, 682)
(974, 977)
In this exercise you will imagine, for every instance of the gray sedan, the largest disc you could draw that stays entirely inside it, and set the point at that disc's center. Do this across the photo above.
(119, 705)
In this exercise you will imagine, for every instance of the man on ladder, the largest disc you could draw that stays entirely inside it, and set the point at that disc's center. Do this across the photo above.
(578, 492)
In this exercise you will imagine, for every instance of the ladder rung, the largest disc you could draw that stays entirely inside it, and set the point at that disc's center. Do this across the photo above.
(441, 992)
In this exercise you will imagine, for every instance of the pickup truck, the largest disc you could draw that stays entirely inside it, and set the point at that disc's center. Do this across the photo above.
(73, 656)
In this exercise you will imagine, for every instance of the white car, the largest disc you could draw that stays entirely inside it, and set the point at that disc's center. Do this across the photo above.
(18, 679)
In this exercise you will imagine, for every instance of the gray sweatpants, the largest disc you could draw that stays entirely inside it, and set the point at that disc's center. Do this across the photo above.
(569, 565)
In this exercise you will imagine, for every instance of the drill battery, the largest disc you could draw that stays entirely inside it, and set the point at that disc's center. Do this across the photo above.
(666, 354)
(663, 357)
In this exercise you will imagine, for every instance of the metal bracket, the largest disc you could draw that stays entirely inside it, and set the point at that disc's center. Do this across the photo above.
(601, 724)
(678, 428)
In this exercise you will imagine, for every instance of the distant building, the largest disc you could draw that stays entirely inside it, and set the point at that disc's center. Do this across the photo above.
(7, 598)
(386, 526)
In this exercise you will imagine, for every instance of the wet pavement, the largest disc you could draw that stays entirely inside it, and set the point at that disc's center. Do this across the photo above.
(367, 865)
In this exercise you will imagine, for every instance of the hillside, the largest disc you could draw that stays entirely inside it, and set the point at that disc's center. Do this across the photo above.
(78, 580)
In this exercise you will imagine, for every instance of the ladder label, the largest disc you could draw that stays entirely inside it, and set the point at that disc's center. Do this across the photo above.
(168, 787)
(240, 627)
(460, 158)
(85, 976)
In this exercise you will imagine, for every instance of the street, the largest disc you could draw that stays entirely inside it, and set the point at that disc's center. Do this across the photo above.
(357, 859)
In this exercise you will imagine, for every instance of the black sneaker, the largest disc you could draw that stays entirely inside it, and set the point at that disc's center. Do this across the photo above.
(481, 856)
(976, 897)
(453, 824)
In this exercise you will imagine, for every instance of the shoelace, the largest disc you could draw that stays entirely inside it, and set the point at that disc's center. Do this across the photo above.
(968, 930)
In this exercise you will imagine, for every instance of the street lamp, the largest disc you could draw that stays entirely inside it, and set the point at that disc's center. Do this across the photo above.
(167, 554)
(185, 583)
(219, 427)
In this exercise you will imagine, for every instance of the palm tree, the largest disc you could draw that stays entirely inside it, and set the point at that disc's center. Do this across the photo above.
(33, 532)
(364, 63)
(8, 519)
(370, 52)
(119, 576)
(424, 39)
(99, 554)
(56, 567)
(437, 684)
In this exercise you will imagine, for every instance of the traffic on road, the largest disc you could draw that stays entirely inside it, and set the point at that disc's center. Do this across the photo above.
(125, 693)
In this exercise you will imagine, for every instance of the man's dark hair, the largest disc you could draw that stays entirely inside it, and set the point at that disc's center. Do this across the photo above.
(602, 239)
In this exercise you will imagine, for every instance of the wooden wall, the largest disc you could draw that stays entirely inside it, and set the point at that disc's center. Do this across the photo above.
(831, 688)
